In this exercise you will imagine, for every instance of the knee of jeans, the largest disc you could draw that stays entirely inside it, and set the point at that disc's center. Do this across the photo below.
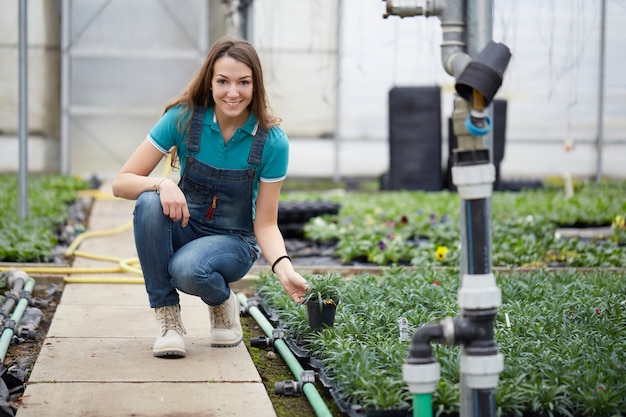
(148, 201)
(188, 276)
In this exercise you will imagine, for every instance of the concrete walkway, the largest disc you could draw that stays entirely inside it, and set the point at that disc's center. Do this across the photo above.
(97, 358)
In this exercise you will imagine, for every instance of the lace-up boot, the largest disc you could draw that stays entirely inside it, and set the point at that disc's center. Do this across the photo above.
(225, 323)
(170, 330)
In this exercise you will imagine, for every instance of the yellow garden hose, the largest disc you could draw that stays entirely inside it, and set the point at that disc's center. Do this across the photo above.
(123, 265)
(78, 279)
(71, 250)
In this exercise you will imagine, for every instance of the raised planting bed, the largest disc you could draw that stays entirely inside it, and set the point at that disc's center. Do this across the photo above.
(562, 335)
(55, 215)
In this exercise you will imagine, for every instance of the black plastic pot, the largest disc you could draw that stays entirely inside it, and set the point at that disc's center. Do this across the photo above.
(320, 317)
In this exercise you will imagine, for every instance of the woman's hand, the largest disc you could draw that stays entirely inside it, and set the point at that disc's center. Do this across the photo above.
(173, 201)
(294, 284)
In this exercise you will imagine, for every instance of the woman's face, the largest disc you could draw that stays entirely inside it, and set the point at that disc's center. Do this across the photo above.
(232, 88)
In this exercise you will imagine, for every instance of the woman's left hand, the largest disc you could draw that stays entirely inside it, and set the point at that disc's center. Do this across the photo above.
(295, 285)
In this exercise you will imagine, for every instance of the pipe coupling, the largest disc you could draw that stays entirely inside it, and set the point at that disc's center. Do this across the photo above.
(481, 371)
(479, 292)
(474, 181)
(422, 378)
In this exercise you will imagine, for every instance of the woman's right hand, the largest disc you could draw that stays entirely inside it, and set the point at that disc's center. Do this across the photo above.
(173, 201)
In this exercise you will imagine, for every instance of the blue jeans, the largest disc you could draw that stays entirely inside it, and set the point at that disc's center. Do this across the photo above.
(189, 259)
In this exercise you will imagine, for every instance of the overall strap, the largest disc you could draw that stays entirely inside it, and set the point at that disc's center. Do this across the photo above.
(256, 151)
(195, 130)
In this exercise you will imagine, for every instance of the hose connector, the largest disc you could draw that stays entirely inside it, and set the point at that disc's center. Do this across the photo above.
(289, 388)
(478, 123)
(263, 342)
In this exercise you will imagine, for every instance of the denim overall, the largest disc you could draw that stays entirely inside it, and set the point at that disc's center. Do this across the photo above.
(217, 246)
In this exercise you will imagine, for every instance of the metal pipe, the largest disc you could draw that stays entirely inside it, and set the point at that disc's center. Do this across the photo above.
(453, 52)
(65, 86)
(600, 122)
(337, 122)
(23, 108)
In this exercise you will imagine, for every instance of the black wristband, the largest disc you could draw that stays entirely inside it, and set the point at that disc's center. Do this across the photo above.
(278, 260)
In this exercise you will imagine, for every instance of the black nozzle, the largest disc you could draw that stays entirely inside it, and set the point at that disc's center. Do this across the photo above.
(261, 342)
(484, 74)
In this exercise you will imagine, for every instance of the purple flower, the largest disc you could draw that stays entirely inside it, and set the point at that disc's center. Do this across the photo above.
(381, 245)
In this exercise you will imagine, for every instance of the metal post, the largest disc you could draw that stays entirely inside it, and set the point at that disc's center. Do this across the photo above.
(600, 122)
(23, 109)
(65, 86)
(337, 129)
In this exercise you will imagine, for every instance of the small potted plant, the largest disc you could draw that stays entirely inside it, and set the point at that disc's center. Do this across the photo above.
(321, 300)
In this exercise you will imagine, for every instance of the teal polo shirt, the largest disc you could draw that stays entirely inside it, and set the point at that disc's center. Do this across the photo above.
(230, 155)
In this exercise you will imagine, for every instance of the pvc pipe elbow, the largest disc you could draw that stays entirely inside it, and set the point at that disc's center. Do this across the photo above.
(454, 59)
(420, 351)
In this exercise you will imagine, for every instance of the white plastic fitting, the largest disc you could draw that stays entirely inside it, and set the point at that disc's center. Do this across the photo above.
(421, 379)
(474, 181)
(481, 371)
(479, 292)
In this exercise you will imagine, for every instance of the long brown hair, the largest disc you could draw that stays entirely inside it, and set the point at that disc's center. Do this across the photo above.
(198, 91)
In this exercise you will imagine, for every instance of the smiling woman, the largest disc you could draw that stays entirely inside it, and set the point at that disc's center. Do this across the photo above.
(203, 234)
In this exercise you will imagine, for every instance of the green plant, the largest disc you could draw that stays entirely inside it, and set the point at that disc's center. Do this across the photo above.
(323, 289)
(32, 238)
(406, 228)
(560, 333)
(618, 226)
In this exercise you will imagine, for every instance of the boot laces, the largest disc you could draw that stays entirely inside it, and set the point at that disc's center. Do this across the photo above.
(169, 317)
(220, 317)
